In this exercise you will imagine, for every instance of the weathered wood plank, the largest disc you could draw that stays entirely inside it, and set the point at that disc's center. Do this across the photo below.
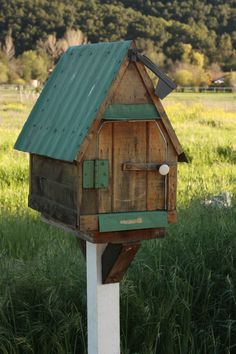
(56, 211)
(89, 196)
(116, 259)
(88, 222)
(55, 170)
(156, 153)
(125, 236)
(172, 188)
(105, 138)
(129, 145)
(59, 193)
(131, 89)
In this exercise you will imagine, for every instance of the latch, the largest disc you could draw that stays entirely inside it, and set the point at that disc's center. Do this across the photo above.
(95, 174)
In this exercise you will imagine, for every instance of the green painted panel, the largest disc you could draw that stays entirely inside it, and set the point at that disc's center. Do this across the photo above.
(95, 173)
(131, 112)
(88, 174)
(101, 173)
(70, 100)
(132, 221)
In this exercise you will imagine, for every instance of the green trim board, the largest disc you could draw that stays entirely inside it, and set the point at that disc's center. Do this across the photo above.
(88, 174)
(132, 221)
(101, 173)
(131, 112)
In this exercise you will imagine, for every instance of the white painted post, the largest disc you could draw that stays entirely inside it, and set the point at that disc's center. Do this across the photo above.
(103, 306)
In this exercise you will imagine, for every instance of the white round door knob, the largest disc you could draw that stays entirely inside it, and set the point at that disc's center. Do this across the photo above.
(164, 169)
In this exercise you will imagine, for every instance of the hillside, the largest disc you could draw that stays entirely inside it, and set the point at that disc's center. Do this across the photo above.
(162, 26)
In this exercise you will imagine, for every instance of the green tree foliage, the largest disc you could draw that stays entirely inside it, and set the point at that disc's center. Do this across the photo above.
(209, 26)
(3, 73)
(33, 66)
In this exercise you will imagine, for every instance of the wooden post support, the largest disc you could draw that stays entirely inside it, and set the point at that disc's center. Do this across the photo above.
(116, 259)
(103, 306)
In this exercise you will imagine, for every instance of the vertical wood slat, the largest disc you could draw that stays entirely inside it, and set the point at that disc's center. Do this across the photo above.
(105, 153)
(172, 182)
(129, 145)
(156, 153)
(89, 196)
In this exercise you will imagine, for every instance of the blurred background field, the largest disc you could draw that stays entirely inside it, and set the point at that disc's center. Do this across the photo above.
(179, 295)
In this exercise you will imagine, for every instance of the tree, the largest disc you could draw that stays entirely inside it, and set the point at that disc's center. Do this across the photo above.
(54, 47)
(50, 46)
(8, 46)
(74, 37)
(33, 66)
(3, 73)
(183, 77)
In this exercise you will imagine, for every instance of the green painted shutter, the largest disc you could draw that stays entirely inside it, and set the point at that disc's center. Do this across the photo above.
(95, 174)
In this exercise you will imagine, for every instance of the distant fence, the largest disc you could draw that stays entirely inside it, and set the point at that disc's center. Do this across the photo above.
(19, 93)
(27, 93)
(206, 89)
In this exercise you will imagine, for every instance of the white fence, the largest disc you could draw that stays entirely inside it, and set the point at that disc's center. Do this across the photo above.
(18, 93)
(210, 89)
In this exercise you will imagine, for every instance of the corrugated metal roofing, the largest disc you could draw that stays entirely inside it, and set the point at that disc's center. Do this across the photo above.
(70, 100)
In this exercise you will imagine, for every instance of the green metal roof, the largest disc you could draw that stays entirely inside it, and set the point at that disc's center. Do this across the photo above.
(70, 100)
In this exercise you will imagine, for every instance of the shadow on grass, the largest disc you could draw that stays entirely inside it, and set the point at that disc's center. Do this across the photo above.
(178, 295)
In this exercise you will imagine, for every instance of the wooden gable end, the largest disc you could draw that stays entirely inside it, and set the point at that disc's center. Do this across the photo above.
(131, 89)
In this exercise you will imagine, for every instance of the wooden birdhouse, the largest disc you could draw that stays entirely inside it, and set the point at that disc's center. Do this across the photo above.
(103, 153)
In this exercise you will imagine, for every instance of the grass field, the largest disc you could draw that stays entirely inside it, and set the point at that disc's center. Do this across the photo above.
(179, 295)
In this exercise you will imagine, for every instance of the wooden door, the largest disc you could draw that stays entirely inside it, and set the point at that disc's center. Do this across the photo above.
(132, 190)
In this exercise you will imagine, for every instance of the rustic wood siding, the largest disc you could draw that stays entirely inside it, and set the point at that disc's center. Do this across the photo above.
(131, 89)
(53, 188)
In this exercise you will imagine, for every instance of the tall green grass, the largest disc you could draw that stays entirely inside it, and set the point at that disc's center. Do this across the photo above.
(179, 294)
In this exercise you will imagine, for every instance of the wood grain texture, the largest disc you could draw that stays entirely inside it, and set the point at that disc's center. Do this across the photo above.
(129, 145)
(131, 89)
(156, 153)
(53, 188)
(172, 188)
(123, 236)
(105, 142)
(89, 196)
(54, 170)
(55, 191)
(88, 222)
(116, 259)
